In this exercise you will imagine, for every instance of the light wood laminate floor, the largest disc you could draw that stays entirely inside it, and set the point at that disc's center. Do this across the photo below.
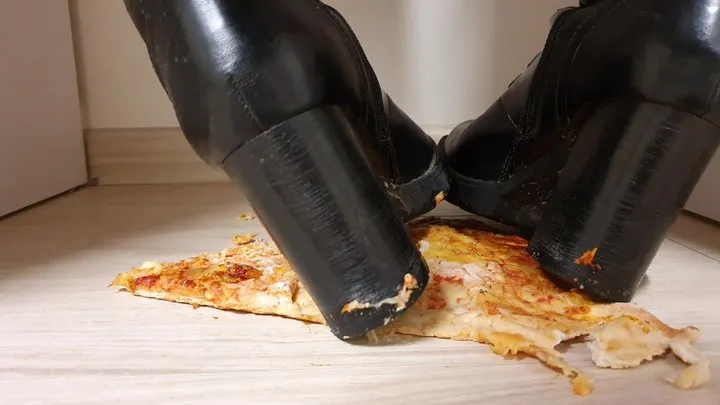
(65, 338)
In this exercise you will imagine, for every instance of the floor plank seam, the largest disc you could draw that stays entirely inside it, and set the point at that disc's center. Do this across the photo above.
(693, 249)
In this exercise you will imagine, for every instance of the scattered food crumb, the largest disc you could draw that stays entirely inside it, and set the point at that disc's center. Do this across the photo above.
(440, 197)
(244, 239)
(587, 259)
(582, 386)
(196, 306)
(215, 317)
(246, 217)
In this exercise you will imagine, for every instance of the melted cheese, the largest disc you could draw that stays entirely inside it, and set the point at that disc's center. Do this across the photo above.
(399, 301)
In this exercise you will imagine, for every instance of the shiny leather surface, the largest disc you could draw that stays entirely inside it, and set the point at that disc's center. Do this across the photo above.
(413, 148)
(234, 69)
(661, 51)
(630, 172)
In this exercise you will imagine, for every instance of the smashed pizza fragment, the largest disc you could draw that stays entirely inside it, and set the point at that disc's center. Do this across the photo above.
(483, 287)
(588, 258)
(245, 217)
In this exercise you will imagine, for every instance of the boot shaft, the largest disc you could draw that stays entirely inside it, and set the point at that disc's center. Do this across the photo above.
(234, 69)
(665, 51)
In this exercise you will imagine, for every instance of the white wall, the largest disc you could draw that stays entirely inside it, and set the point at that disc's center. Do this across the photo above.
(41, 140)
(443, 61)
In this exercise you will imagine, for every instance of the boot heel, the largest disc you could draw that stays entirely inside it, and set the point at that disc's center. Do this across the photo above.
(330, 215)
(629, 173)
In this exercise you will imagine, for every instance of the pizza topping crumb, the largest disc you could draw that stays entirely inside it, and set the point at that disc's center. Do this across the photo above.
(149, 265)
(221, 257)
(400, 300)
(448, 279)
(281, 285)
(440, 197)
(246, 217)
(285, 287)
(188, 283)
(146, 281)
(242, 272)
(587, 259)
(410, 284)
(354, 305)
(244, 239)
(582, 385)
(435, 300)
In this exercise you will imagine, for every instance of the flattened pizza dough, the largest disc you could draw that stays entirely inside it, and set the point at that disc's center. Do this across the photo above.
(484, 287)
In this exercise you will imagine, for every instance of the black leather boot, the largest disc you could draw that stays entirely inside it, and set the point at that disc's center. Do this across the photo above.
(281, 96)
(594, 149)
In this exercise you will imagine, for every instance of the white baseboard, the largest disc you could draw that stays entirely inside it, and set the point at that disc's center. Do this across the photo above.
(153, 156)
(163, 156)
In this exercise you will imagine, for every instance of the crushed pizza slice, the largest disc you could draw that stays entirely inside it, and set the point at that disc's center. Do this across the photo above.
(250, 276)
(484, 287)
